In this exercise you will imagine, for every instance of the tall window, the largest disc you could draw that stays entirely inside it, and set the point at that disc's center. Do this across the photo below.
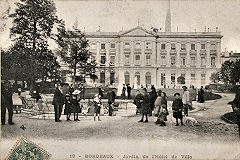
(193, 47)
(193, 61)
(173, 60)
(203, 46)
(112, 77)
(203, 78)
(213, 61)
(137, 59)
(148, 45)
(103, 46)
(102, 77)
(127, 78)
(173, 46)
(113, 45)
(183, 47)
(137, 78)
(137, 45)
(203, 61)
(193, 77)
(112, 60)
(127, 45)
(173, 78)
(163, 46)
(163, 79)
(103, 60)
(163, 60)
(148, 78)
(127, 59)
(183, 61)
(148, 59)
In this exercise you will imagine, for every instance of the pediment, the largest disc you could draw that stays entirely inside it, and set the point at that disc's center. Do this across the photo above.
(137, 32)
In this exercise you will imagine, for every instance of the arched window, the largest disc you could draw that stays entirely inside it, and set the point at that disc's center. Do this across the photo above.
(127, 78)
(137, 78)
(148, 78)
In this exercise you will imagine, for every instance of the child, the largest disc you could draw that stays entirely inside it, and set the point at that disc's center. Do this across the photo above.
(76, 107)
(68, 107)
(97, 106)
(162, 117)
(177, 107)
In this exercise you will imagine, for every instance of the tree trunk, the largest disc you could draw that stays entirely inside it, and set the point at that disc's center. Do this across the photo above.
(74, 72)
(34, 34)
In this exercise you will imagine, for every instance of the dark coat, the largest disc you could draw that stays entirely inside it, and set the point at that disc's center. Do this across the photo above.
(201, 95)
(111, 97)
(68, 107)
(145, 104)
(75, 106)
(177, 107)
(137, 100)
(58, 97)
(152, 97)
(6, 94)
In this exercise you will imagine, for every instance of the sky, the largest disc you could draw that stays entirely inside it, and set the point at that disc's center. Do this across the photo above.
(117, 15)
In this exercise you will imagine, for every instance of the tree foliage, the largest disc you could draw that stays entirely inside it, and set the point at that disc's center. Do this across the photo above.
(230, 72)
(33, 23)
(74, 50)
(215, 77)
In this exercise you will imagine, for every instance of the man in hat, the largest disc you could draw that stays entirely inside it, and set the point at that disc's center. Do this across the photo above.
(6, 103)
(58, 101)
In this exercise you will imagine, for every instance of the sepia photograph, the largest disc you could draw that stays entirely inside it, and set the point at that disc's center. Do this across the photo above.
(120, 79)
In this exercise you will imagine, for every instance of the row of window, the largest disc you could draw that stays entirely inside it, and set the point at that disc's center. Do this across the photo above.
(163, 60)
(148, 45)
(163, 78)
(148, 78)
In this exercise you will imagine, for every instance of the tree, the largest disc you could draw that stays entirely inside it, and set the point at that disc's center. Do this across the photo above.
(33, 22)
(74, 51)
(226, 71)
(181, 80)
(235, 73)
(215, 77)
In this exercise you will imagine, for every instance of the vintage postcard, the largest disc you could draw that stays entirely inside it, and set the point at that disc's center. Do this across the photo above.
(120, 79)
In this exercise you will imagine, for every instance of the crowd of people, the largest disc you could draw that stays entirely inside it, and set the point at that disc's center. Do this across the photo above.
(71, 101)
(156, 102)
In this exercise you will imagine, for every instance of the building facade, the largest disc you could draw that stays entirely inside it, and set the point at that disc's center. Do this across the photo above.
(142, 58)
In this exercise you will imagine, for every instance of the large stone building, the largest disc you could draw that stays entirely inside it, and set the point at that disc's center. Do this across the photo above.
(141, 58)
